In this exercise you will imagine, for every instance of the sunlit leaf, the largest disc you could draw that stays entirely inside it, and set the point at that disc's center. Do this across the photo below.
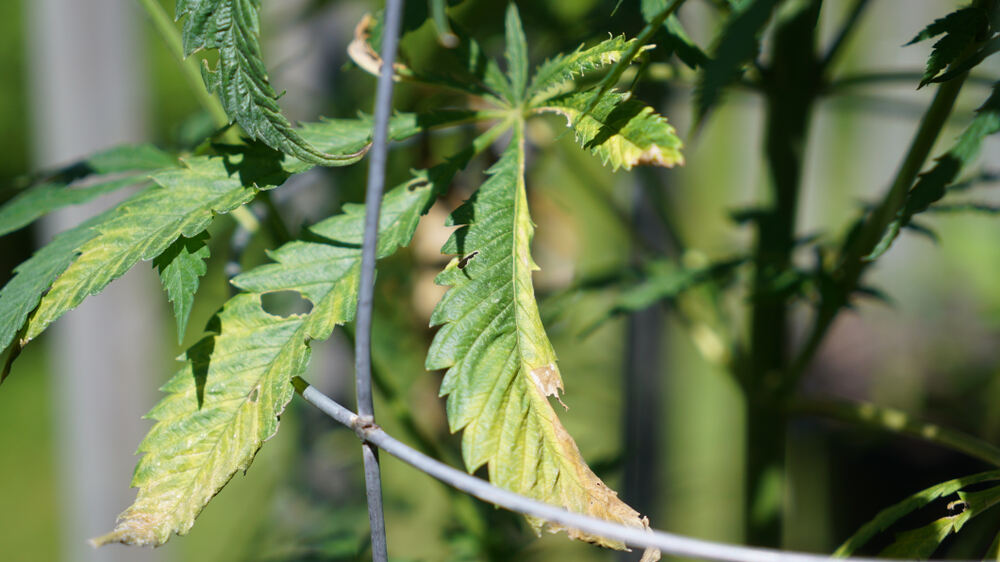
(516, 53)
(622, 131)
(232, 27)
(887, 517)
(226, 400)
(555, 75)
(183, 201)
(501, 368)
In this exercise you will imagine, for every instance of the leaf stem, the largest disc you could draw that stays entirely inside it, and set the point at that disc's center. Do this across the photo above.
(897, 421)
(850, 24)
(189, 66)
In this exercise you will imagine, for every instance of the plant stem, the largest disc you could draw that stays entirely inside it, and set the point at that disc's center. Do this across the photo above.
(898, 421)
(792, 85)
(853, 263)
(189, 66)
(850, 24)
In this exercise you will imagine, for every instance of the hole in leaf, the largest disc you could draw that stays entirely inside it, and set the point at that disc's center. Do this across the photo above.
(254, 393)
(285, 303)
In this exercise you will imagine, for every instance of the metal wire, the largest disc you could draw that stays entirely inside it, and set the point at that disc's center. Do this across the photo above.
(362, 342)
(667, 543)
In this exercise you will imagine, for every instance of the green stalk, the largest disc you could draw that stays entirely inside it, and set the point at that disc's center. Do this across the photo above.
(853, 263)
(791, 85)
(189, 66)
(897, 421)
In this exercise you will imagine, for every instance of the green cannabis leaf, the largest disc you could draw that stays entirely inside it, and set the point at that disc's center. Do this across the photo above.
(232, 27)
(555, 75)
(961, 29)
(501, 368)
(921, 543)
(665, 10)
(933, 184)
(180, 266)
(622, 131)
(887, 517)
(102, 173)
(516, 53)
(182, 202)
(739, 43)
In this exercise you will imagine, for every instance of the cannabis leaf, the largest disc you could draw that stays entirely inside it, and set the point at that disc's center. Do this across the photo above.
(915, 543)
(555, 74)
(183, 201)
(637, 46)
(226, 400)
(933, 184)
(961, 28)
(501, 368)
(240, 78)
(115, 169)
(676, 37)
(516, 53)
(739, 43)
(622, 131)
(180, 266)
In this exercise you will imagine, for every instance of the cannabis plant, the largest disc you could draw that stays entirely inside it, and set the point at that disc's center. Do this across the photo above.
(500, 372)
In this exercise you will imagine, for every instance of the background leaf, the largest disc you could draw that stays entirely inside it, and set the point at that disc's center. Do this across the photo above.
(960, 29)
(738, 44)
(118, 167)
(933, 184)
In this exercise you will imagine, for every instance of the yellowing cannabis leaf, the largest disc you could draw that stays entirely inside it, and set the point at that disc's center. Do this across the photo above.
(501, 368)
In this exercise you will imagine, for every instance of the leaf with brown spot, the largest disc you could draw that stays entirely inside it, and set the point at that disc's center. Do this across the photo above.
(501, 368)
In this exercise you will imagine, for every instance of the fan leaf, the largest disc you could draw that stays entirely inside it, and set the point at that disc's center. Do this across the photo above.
(887, 517)
(232, 27)
(182, 202)
(226, 400)
(622, 131)
(960, 28)
(180, 267)
(554, 75)
(739, 43)
(501, 368)
(933, 184)
(114, 169)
